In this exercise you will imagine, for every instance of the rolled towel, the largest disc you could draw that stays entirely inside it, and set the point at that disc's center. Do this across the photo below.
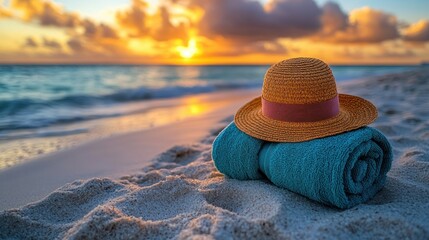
(235, 154)
(342, 170)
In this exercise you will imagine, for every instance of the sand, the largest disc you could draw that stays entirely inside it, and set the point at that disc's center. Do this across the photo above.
(181, 195)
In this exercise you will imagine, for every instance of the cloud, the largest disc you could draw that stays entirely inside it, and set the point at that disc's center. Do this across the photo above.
(377, 52)
(333, 19)
(417, 32)
(47, 13)
(166, 30)
(76, 45)
(96, 47)
(133, 18)
(250, 21)
(271, 47)
(243, 20)
(93, 30)
(372, 25)
(52, 44)
(364, 25)
(99, 37)
(29, 42)
(138, 23)
(232, 49)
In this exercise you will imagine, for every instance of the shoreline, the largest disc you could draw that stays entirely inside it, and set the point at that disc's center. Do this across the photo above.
(141, 116)
(36, 178)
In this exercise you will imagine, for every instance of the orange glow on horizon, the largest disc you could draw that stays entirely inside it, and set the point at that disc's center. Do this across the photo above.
(188, 51)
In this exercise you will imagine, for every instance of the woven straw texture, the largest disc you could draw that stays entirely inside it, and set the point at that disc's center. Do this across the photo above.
(298, 81)
(302, 81)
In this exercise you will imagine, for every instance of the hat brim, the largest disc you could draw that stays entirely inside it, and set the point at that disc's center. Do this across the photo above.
(355, 112)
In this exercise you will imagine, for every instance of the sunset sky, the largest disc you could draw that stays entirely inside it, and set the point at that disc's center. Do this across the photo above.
(213, 31)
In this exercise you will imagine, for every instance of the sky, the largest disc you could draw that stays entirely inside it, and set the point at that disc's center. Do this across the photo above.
(213, 31)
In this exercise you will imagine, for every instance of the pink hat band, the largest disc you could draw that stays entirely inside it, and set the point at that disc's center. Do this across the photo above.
(309, 112)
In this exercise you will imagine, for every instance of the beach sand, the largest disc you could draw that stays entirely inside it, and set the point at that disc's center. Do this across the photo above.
(181, 195)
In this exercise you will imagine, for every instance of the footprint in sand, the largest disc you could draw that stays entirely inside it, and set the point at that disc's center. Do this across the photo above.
(413, 154)
(390, 111)
(179, 155)
(252, 199)
(412, 120)
(413, 166)
(75, 200)
(58, 211)
(404, 141)
(146, 179)
(164, 200)
(422, 131)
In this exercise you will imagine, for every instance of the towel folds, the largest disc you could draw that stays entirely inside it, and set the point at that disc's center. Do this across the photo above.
(236, 154)
(342, 170)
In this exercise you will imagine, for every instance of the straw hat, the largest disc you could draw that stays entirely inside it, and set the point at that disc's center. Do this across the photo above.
(300, 102)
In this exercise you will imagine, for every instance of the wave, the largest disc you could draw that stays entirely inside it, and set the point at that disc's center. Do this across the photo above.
(29, 113)
(13, 136)
(124, 95)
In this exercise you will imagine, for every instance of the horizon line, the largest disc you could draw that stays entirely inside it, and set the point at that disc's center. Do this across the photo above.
(196, 65)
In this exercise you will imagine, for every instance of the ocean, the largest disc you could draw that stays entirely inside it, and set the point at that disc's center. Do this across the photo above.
(59, 101)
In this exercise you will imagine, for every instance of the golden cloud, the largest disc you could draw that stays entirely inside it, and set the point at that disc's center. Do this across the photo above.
(333, 19)
(52, 44)
(30, 42)
(94, 30)
(417, 32)
(133, 19)
(85, 34)
(364, 25)
(47, 13)
(138, 23)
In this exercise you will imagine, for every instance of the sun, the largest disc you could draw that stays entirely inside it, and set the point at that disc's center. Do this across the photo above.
(188, 51)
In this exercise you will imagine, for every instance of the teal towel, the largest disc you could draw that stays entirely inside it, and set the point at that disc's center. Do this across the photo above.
(235, 154)
(342, 170)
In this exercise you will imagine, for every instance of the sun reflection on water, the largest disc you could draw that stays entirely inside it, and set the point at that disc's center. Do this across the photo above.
(161, 113)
